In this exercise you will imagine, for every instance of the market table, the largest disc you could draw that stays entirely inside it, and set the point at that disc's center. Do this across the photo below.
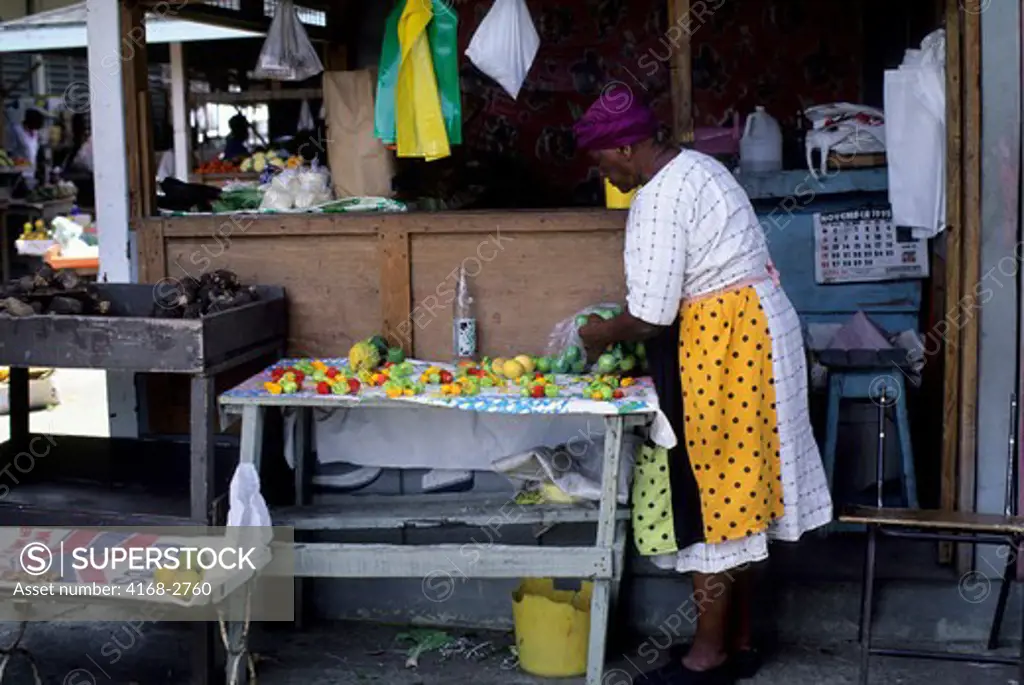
(602, 562)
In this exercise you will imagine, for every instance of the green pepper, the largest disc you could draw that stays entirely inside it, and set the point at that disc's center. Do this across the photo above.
(486, 382)
(551, 390)
(525, 392)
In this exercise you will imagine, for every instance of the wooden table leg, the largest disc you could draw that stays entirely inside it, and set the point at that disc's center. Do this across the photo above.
(202, 418)
(19, 409)
(238, 663)
(5, 249)
(599, 603)
(202, 654)
(304, 465)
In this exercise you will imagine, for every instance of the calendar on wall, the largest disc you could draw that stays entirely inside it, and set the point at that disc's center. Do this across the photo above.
(863, 245)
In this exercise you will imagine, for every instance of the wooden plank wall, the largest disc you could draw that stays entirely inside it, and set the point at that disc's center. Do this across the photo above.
(348, 277)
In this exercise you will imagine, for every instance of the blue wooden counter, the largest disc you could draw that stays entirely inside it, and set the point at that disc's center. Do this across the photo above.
(786, 203)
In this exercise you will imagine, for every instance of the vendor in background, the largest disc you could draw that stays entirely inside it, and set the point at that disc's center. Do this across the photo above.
(26, 138)
(235, 147)
(727, 358)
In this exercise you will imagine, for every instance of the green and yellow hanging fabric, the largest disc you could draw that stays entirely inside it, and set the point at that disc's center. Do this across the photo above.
(418, 82)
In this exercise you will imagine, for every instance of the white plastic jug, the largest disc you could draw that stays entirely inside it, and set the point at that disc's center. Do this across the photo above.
(761, 145)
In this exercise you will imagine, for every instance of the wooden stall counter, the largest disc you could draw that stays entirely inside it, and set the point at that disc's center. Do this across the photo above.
(351, 276)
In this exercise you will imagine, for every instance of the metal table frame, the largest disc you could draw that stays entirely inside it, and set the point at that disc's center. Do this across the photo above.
(601, 562)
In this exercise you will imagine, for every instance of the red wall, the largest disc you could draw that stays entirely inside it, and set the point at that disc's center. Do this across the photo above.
(778, 53)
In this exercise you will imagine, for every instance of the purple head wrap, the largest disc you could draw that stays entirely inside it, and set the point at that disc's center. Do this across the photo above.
(617, 119)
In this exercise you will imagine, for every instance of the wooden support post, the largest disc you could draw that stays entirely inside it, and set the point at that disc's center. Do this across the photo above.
(681, 69)
(954, 222)
(138, 116)
(970, 275)
(396, 289)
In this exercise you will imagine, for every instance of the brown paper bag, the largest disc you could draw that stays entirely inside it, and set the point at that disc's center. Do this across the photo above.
(361, 165)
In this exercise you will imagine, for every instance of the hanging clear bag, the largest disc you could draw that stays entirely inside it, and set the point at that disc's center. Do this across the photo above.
(287, 54)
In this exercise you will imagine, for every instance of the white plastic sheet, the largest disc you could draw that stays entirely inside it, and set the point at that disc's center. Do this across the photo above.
(287, 54)
(915, 107)
(505, 44)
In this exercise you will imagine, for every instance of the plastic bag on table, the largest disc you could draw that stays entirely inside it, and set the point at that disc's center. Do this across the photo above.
(505, 44)
(564, 344)
(287, 54)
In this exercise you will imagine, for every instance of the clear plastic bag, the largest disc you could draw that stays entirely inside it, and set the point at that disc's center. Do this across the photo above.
(564, 343)
(505, 44)
(287, 54)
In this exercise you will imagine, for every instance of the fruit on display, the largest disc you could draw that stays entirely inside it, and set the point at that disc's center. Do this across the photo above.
(608, 387)
(322, 379)
(482, 375)
(364, 356)
(539, 386)
(62, 190)
(435, 375)
(34, 231)
(261, 161)
(217, 166)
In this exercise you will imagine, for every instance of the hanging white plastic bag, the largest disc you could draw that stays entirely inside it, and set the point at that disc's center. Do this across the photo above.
(287, 54)
(915, 106)
(247, 510)
(505, 44)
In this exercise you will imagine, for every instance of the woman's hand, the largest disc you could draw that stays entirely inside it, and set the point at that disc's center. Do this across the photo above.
(593, 337)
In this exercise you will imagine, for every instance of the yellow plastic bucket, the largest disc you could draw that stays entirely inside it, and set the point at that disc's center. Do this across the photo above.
(552, 628)
(616, 199)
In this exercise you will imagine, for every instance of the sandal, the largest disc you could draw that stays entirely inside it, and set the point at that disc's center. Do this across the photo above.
(675, 673)
(744, 663)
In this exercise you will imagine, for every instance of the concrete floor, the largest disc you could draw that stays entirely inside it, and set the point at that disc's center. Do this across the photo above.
(117, 654)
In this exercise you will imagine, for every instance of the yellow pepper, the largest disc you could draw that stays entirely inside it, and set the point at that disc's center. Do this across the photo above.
(597, 396)
(394, 393)
(409, 392)
(272, 388)
(319, 365)
(626, 382)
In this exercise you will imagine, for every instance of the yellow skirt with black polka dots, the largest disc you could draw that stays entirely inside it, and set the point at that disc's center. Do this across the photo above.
(732, 436)
(730, 433)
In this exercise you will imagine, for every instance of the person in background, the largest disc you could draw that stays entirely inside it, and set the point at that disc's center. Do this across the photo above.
(727, 358)
(235, 147)
(26, 138)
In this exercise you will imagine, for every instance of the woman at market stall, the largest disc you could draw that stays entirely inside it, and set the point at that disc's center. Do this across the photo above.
(727, 356)
(235, 147)
(26, 139)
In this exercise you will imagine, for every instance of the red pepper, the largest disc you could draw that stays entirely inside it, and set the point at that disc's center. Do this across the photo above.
(276, 374)
(388, 365)
(332, 372)
(618, 395)
(479, 373)
(539, 377)
(353, 385)
(446, 377)
(323, 388)
(538, 391)
(299, 377)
